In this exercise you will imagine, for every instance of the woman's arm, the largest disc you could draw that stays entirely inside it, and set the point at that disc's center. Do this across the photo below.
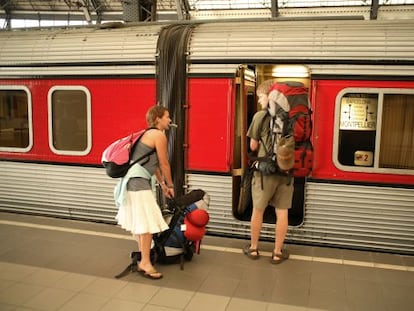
(164, 172)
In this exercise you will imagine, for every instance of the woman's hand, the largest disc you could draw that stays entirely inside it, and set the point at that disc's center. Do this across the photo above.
(168, 191)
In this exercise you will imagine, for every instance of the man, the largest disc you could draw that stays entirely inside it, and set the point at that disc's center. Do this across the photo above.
(275, 189)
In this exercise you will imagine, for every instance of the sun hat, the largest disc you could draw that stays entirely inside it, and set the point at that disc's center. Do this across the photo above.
(198, 217)
(192, 232)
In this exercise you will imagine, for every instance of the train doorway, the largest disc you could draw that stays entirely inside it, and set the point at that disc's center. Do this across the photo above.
(247, 80)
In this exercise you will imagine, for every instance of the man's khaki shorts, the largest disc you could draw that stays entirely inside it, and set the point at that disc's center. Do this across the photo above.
(277, 191)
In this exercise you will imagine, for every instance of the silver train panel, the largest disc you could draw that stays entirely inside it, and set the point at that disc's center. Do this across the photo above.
(366, 217)
(213, 47)
(314, 69)
(352, 40)
(74, 45)
(57, 190)
(12, 72)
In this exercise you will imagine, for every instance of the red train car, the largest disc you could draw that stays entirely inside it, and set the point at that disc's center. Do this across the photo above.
(65, 94)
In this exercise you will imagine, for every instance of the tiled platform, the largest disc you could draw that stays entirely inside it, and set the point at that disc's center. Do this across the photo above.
(57, 264)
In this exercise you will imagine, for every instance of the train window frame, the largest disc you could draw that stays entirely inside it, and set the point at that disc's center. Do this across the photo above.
(29, 118)
(88, 120)
(375, 168)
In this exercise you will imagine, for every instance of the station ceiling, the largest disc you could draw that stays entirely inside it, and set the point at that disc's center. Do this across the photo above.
(152, 10)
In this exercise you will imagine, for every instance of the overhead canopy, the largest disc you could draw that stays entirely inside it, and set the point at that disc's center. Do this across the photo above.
(97, 11)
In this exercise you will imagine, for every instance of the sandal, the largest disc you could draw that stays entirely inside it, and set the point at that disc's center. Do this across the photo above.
(151, 274)
(279, 258)
(249, 252)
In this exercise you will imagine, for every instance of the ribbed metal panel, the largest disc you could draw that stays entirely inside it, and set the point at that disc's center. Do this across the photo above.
(313, 40)
(360, 216)
(361, 70)
(79, 45)
(341, 41)
(214, 69)
(78, 70)
(64, 191)
(219, 189)
(366, 217)
(314, 69)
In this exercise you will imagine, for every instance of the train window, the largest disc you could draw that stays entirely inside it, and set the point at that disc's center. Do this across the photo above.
(374, 130)
(69, 120)
(16, 133)
(397, 132)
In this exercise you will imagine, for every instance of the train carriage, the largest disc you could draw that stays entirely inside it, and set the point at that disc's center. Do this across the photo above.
(65, 94)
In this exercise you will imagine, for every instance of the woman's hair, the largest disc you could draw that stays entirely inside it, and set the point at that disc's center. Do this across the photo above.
(153, 113)
(264, 87)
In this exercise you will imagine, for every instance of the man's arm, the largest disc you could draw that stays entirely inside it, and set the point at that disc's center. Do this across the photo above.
(254, 144)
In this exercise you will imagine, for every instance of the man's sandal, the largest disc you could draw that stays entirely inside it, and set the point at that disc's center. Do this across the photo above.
(250, 252)
(279, 258)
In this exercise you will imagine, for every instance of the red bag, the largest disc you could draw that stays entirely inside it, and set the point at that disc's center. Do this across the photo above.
(303, 159)
(298, 123)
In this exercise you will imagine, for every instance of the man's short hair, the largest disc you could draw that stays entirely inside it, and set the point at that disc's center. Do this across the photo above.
(264, 87)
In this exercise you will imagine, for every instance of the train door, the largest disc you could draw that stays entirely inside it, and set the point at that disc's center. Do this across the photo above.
(244, 110)
(248, 77)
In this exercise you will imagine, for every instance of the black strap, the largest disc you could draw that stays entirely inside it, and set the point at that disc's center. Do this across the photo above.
(269, 153)
(132, 267)
(143, 156)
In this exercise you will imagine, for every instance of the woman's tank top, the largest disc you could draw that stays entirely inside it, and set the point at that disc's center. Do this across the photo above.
(150, 163)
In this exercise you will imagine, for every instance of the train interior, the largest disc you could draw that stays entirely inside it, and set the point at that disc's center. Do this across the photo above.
(248, 78)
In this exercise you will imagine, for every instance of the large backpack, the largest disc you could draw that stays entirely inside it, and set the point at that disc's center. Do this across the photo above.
(187, 219)
(116, 158)
(297, 122)
(187, 227)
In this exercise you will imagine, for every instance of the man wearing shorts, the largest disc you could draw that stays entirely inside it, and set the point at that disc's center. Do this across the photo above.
(268, 189)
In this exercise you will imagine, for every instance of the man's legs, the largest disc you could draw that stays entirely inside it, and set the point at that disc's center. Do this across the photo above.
(281, 228)
(256, 222)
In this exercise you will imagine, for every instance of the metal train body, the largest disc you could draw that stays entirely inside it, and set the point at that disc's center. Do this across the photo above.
(101, 81)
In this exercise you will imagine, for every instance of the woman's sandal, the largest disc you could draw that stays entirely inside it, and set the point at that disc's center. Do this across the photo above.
(279, 258)
(250, 252)
(151, 274)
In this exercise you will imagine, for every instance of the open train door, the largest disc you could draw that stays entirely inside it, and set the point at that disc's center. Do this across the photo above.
(246, 107)
(244, 110)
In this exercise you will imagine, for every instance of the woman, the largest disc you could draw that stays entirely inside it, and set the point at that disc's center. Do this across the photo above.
(138, 211)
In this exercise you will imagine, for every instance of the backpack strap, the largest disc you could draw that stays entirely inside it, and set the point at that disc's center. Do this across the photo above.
(284, 116)
(286, 130)
(146, 155)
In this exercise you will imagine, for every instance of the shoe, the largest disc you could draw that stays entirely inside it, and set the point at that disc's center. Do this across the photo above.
(280, 257)
(249, 252)
(151, 274)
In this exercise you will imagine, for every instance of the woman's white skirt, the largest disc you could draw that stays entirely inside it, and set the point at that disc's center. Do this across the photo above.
(141, 213)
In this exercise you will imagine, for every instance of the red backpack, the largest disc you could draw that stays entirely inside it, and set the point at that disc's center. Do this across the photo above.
(298, 123)
(116, 158)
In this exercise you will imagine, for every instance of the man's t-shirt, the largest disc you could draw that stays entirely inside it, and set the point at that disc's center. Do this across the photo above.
(260, 128)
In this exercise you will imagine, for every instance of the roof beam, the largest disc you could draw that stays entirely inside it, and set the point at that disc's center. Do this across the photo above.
(6, 6)
(374, 9)
(97, 6)
(275, 8)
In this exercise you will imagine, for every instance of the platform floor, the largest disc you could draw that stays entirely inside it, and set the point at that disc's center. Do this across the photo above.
(65, 265)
